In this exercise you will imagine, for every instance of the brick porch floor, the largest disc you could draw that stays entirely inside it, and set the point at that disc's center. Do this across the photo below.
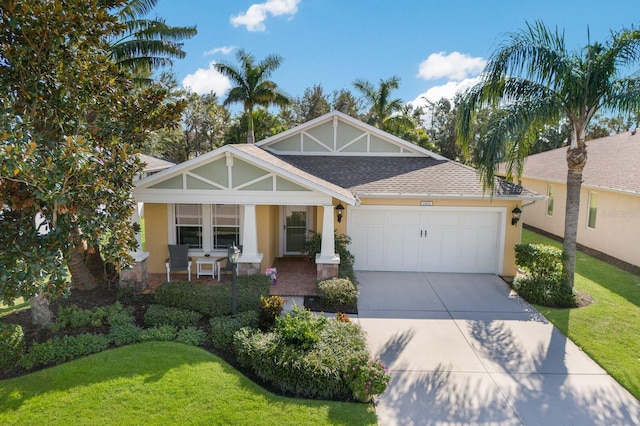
(296, 277)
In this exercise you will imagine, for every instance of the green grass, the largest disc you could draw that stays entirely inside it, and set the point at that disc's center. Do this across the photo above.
(18, 305)
(160, 383)
(608, 329)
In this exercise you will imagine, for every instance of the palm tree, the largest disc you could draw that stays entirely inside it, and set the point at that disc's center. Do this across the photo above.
(535, 81)
(251, 85)
(147, 44)
(383, 110)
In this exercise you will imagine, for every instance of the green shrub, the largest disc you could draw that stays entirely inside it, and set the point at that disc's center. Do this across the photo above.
(540, 261)
(167, 315)
(75, 317)
(366, 377)
(12, 345)
(313, 244)
(317, 372)
(300, 327)
(191, 336)
(163, 333)
(222, 329)
(214, 301)
(338, 292)
(270, 308)
(545, 282)
(545, 292)
(61, 349)
(125, 334)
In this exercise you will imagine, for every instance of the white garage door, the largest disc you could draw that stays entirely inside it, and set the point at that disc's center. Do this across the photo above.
(437, 240)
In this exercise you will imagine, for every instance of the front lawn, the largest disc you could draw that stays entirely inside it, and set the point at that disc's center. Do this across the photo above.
(607, 329)
(160, 383)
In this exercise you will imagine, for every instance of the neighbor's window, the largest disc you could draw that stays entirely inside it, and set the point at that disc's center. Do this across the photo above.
(225, 221)
(551, 195)
(189, 225)
(593, 210)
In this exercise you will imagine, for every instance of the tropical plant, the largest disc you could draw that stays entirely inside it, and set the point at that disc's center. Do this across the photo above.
(252, 86)
(383, 110)
(534, 80)
(144, 45)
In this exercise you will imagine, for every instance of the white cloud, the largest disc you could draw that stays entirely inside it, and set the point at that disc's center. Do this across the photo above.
(225, 50)
(207, 80)
(257, 13)
(454, 66)
(447, 90)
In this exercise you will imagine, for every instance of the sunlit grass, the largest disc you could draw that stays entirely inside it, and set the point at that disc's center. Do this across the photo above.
(609, 328)
(160, 383)
(18, 305)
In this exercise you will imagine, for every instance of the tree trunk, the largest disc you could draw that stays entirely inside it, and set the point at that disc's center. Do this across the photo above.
(95, 264)
(41, 314)
(251, 138)
(81, 277)
(576, 160)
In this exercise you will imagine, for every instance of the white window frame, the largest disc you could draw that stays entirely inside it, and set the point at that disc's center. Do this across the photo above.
(199, 225)
(214, 222)
(207, 229)
(592, 195)
(550, 199)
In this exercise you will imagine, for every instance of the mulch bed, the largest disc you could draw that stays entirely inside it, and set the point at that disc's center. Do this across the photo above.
(314, 304)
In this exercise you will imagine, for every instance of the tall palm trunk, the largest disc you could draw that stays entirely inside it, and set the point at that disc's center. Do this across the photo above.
(576, 160)
(251, 137)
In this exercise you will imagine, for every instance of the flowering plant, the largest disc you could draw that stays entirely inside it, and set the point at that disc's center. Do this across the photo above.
(272, 273)
(367, 377)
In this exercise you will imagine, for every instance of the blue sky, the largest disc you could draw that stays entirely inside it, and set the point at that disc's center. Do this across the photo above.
(435, 47)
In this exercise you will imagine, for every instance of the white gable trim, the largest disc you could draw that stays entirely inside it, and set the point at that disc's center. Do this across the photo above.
(316, 193)
(406, 148)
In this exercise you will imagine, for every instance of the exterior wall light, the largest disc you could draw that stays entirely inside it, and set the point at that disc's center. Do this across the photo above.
(516, 216)
(339, 212)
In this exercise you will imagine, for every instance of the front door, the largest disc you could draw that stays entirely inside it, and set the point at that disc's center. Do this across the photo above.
(296, 225)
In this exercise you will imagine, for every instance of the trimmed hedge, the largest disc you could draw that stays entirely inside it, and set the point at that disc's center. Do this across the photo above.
(167, 315)
(162, 333)
(125, 334)
(12, 345)
(214, 301)
(222, 329)
(318, 371)
(191, 336)
(338, 292)
(75, 317)
(61, 349)
(545, 283)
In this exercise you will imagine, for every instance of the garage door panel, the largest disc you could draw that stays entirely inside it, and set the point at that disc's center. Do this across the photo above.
(416, 240)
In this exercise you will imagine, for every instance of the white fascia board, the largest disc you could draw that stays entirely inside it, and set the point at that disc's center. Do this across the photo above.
(167, 196)
(362, 195)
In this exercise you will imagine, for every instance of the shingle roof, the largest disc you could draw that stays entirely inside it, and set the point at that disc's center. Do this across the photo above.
(401, 176)
(288, 167)
(612, 163)
(154, 164)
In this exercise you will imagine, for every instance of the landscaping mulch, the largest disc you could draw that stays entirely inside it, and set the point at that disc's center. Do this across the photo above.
(314, 304)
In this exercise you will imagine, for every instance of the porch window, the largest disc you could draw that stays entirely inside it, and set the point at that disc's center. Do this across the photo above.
(189, 225)
(551, 196)
(593, 210)
(225, 220)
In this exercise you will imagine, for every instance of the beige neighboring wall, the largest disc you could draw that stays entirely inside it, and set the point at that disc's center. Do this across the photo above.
(617, 231)
(513, 234)
(157, 236)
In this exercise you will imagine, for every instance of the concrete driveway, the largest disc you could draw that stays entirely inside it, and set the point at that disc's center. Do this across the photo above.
(462, 350)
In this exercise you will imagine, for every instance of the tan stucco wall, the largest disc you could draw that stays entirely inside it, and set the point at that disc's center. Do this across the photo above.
(513, 234)
(268, 226)
(156, 233)
(617, 231)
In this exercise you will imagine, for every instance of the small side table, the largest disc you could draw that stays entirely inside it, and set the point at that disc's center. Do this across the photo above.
(211, 261)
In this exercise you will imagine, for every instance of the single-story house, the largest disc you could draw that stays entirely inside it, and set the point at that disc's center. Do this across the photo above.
(404, 208)
(609, 219)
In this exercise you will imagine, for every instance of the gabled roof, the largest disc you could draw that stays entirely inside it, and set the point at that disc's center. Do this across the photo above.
(209, 172)
(154, 164)
(401, 176)
(612, 164)
(336, 133)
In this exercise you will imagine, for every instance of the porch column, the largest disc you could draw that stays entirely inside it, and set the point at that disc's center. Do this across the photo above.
(250, 259)
(136, 277)
(327, 260)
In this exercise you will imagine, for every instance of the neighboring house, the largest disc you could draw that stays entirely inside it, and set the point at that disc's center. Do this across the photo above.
(405, 208)
(609, 219)
(153, 165)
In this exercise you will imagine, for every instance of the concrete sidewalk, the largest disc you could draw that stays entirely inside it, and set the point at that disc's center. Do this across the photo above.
(462, 350)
